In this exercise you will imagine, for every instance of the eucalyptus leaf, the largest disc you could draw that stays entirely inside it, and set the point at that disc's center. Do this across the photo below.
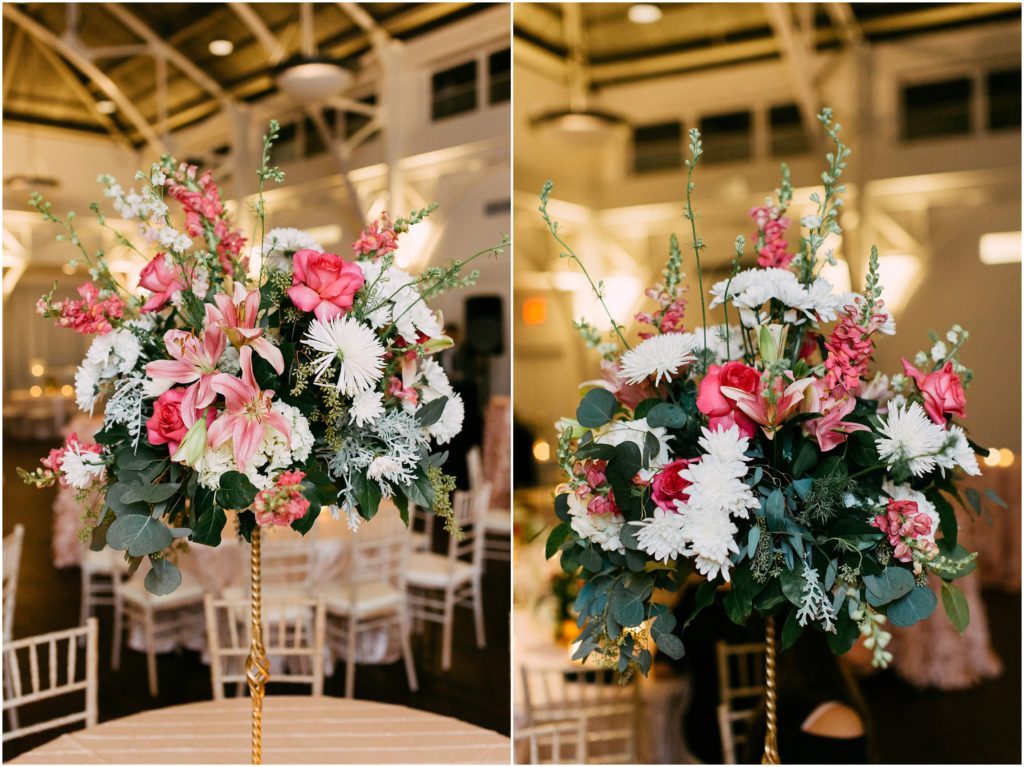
(150, 493)
(596, 408)
(139, 535)
(955, 604)
(163, 577)
(912, 607)
(431, 413)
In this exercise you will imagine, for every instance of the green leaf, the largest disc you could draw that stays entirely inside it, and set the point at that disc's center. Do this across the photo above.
(150, 493)
(791, 630)
(846, 634)
(893, 583)
(562, 506)
(163, 577)
(993, 496)
(115, 500)
(246, 524)
(704, 598)
(591, 559)
(596, 451)
(955, 604)
(912, 607)
(668, 415)
(661, 632)
(627, 606)
(806, 459)
(209, 526)
(236, 491)
(431, 413)
(947, 517)
(596, 408)
(139, 535)
(973, 498)
(556, 539)
(305, 524)
(368, 495)
(792, 586)
(775, 511)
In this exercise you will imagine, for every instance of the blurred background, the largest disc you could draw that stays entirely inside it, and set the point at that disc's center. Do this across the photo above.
(929, 97)
(383, 107)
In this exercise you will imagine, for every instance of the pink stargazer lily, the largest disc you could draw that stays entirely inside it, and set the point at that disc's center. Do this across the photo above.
(247, 413)
(769, 412)
(238, 318)
(194, 362)
(834, 405)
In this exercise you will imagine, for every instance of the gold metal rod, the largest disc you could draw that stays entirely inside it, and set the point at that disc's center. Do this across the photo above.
(771, 745)
(257, 669)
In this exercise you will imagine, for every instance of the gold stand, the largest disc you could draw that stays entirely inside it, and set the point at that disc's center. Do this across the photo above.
(771, 746)
(257, 669)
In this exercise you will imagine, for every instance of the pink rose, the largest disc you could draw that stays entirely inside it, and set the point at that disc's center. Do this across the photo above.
(667, 486)
(161, 278)
(721, 410)
(942, 391)
(324, 283)
(167, 425)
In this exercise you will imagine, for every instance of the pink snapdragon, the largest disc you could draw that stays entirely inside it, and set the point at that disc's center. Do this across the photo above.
(404, 393)
(237, 316)
(770, 239)
(194, 361)
(850, 348)
(830, 430)
(204, 210)
(88, 316)
(377, 240)
(247, 414)
(282, 503)
(907, 528)
(670, 315)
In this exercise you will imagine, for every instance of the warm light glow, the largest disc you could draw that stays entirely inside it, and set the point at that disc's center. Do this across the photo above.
(106, 107)
(1005, 457)
(37, 369)
(899, 275)
(838, 275)
(36, 391)
(644, 13)
(993, 457)
(535, 310)
(415, 247)
(67, 390)
(68, 269)
(542, 451)
(221, 47)
(621, 292)
(1000, 248)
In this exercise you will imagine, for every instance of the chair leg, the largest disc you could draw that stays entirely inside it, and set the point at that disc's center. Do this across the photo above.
(478, 614)
(350, 658)
(115, 649)
(151, 654)
(410, 665)
(86, 602)
(446, 636)
(12, 713)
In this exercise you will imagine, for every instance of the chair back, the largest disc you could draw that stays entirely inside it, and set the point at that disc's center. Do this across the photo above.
(379, 557)
(607, 709)
(53, 669)
(293, 631)
(13, 542)
(475, 467)
(741, 687)
(469, 508)
(551, 743)
(288, 561)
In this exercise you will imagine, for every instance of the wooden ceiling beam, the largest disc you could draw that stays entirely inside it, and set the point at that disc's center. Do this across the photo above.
(271, 44)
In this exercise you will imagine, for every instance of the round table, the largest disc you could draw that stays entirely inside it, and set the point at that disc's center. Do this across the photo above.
(296, 730)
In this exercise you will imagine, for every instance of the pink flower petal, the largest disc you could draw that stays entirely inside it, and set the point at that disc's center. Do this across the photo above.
(304, 297)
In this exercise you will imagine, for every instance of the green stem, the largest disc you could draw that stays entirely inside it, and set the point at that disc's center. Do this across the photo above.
(695, 150)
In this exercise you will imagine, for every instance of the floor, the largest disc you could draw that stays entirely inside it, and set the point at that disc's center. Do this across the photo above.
(475, 690)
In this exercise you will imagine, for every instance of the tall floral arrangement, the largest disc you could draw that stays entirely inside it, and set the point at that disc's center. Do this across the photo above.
(762, 454)
(308, 383)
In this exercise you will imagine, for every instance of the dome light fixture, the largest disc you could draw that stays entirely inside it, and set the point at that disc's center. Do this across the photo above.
(221, 47)
(311, 79)
(644, 13)
(106, 107)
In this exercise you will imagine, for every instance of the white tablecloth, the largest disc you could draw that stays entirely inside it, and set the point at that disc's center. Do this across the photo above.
(296, 730)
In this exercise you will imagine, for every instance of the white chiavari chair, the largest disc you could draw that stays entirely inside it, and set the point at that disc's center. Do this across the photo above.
(740, 689)
(52, 671)
(371, 597)
(293, 635)
(497, 519)
(606, 709)
(160, 619)
(13, 543)
(288, 562)
(550, 743)
(437, 583)
(421, 528)
(99, 568)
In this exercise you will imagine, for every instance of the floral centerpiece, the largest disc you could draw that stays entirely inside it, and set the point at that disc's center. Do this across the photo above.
(279, 390)
(762, 453)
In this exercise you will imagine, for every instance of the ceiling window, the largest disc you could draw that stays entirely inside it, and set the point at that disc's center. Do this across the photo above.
(788, 133)
(932, 110)
(1004, 105)
(499, 74)
(726, 137)
(453, 91)
(658, 147)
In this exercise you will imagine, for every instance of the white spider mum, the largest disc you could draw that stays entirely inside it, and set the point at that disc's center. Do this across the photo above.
(445, 428)
(662, 535)
(82, 468)
(283, 242)
(909, 435)
(354, 346)
(367, 406)
(958, 452)
(659, 356)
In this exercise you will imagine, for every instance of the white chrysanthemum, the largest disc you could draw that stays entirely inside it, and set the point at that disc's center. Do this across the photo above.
(660, 356)
(908, 434)
(661, 535)
(82, 469)
(724, 343)
(905, 493)
(636, 432)
(87, 382)
(115, 353)
(354, 346)
(385, 467)
(752, 288)
(366, 407)
(717, 487)
(727, 445)
(393, 297)
(445, 428)
(281, 244)
(434, 377)
(712, 538)
(958, 452)
(600, 529)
